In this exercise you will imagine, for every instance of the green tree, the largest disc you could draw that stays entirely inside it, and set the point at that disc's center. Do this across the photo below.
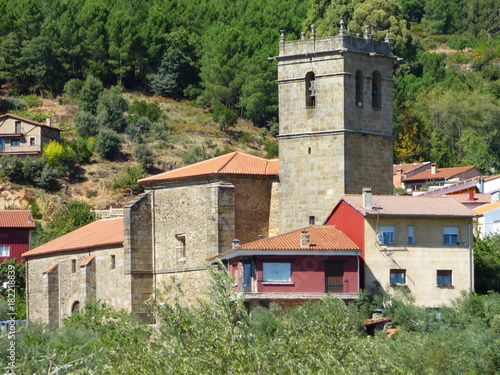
(110, 109)
(89, 95)
(86, 124)
(108, 144)
(487, 264)
(72, 215)
(128, 179)
(14, 274)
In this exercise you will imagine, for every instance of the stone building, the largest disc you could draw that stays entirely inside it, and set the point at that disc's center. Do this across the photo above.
(335, 97)
(335, 112)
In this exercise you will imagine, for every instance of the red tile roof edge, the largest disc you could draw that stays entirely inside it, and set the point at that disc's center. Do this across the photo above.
(51, 268)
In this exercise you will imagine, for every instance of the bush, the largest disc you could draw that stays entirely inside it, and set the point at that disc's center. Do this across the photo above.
(73, 87)
(128, 179)
(144, 109)
(272, 149)
(86, 124)
(224, 116)
(89, 94)
(32, 101)
(47, 179)
(110, 110)
(137, 130)
(12, 166)
(144, 155)
(108, 144)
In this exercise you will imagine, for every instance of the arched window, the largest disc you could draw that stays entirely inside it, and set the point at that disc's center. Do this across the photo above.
(310, 90)
(75, 307)
(359, 89)
(376, 90)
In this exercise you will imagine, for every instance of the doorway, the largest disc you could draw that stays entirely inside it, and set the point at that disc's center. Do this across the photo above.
(334, 277)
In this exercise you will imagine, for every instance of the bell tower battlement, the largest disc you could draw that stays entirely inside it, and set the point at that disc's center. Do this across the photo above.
(335, 115)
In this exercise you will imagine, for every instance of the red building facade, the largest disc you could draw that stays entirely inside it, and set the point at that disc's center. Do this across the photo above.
(15, 228)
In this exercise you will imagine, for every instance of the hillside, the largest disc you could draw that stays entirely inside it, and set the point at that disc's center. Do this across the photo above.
(190, 128)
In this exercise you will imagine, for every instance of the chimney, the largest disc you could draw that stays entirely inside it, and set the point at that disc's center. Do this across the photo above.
(48, 121)
(305, 239)
(401, 171)
(367, 199)
(434, 168)
(236, 243)
(471, 196)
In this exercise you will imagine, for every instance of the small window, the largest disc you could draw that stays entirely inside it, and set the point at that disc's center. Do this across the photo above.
(411, 238)
(450, 236)
(277, 272)
(359, 89)
(32, 141)
(398, 277)
(181, 245)
(310, 90)
(15, 142)
(312, 220)
(4, 251)
(75, 307)
(386, 235)
(113, 262)
(17, 127)
(73, 265)
(309, 150)
(376, 90)
(443, 277)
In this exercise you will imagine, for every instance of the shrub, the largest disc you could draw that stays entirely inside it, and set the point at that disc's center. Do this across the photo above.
(12, 166)
(32, 168)
(110, 110)
(52, 151)
(128, 179)
(196, 154)
(47, 179)
(12, 103)
(32, 101)
(144, 155)
(108, 144)
(91, 193)
(139, 129)
(89, 94)
(73, 87)
(86, 124)
(224, 116)
(272, 150)
(144, 109)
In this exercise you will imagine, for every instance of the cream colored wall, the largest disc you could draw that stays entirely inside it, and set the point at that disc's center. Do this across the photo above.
(28, 130)
(421, 260)
(108, 285)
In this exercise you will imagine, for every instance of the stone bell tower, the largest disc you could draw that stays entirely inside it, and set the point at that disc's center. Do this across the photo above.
(335, 115)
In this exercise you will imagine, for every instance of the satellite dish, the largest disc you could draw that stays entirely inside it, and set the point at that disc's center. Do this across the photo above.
(360, 104)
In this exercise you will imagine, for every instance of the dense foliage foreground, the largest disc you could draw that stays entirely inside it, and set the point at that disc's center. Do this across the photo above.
(220, 337)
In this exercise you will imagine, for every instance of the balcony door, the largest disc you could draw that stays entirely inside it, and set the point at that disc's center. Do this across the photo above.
(334, 277)
(2, 145)
(247, 276)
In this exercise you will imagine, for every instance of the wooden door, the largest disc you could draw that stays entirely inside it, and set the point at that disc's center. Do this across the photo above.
(334, 277)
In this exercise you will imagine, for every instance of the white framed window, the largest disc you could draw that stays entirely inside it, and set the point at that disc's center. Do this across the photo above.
(386, 234)
(411, 235)
(181, 245)
(450, 236)
(275, 272)
(4, 250)
(397, 277)
(443, 277)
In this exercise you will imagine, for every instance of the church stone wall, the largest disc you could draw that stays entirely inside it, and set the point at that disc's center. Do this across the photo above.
(48, 305)
(335, 145)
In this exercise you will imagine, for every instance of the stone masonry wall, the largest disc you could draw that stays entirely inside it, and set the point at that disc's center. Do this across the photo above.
(44, 300)
(335, 146)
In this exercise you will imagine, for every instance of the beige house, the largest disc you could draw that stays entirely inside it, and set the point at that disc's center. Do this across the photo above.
(20, 136)
(422, 245)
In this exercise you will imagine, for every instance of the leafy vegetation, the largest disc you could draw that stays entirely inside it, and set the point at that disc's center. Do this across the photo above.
(218, 335)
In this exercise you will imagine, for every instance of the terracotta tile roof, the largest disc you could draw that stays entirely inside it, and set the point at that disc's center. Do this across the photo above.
(441, 173)
(322, 237)
(97, 234)
(7, 115)
(488, 178)
(16, 219)
(51, 268)
(407, 205)
(87, 261)
(479, 198)
(486, 208)
(233, 163)
(407, 168)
